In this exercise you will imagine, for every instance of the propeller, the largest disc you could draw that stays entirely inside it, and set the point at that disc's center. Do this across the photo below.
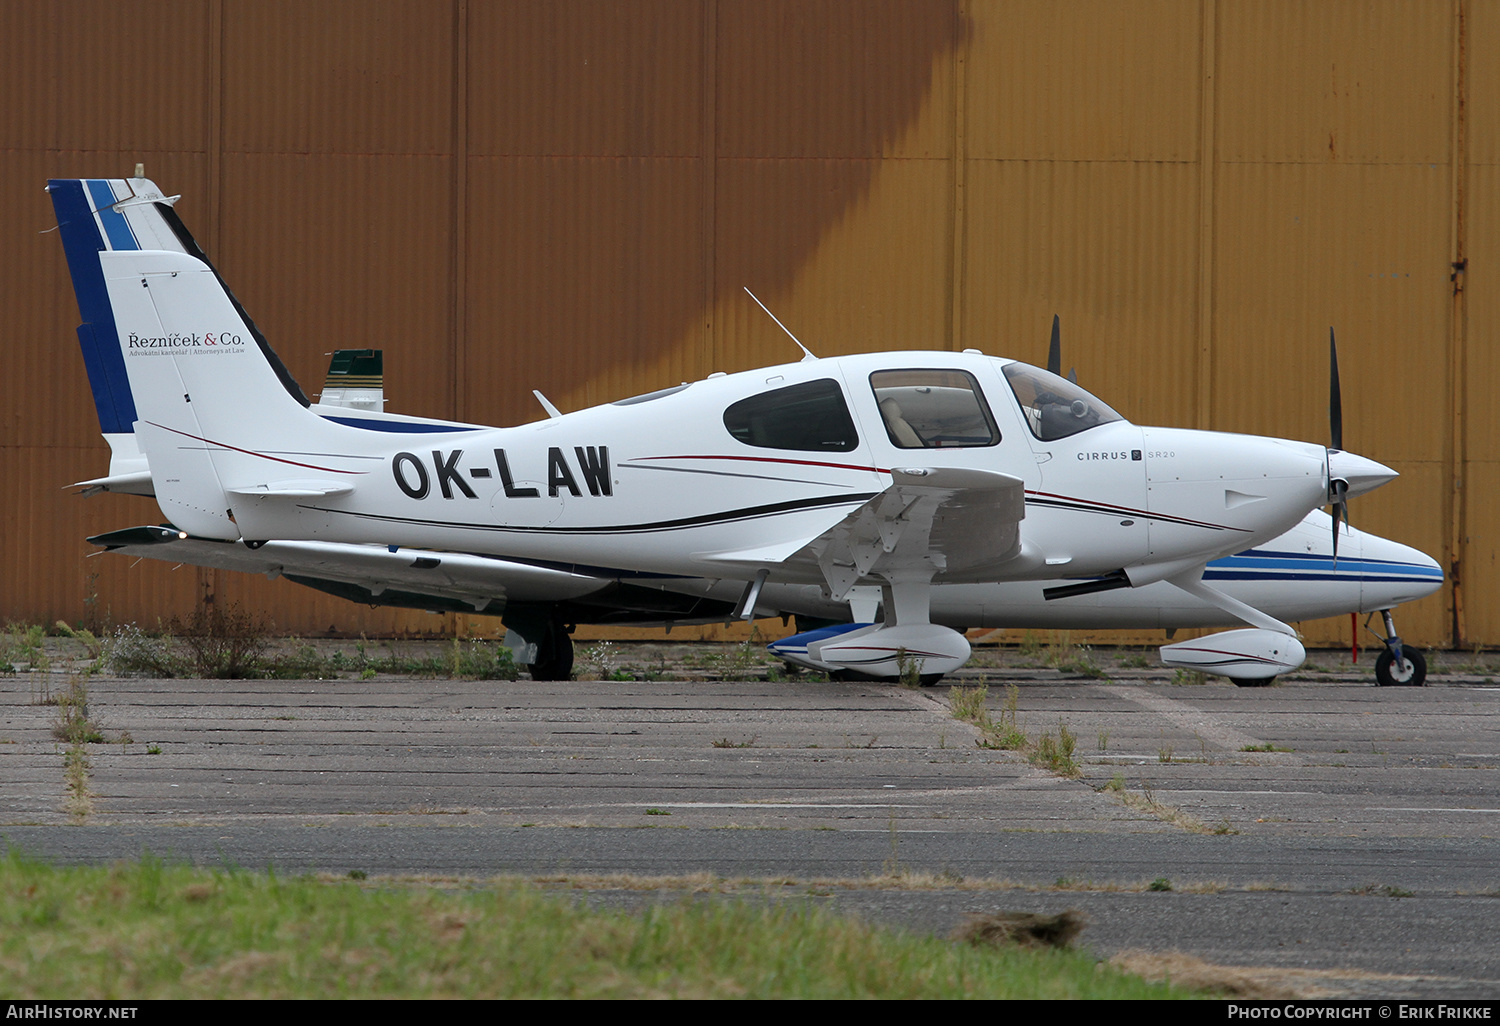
(1338, 488)
(1054, 352)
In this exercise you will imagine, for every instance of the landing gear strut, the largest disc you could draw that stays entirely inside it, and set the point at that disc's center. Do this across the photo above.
(540, 641)
(1398, 666)
(554, 655)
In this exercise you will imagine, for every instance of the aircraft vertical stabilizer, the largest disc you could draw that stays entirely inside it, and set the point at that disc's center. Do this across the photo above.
(173, 356)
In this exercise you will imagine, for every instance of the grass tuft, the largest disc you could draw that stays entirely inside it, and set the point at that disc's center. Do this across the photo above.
(1026, 929)
(152, 931)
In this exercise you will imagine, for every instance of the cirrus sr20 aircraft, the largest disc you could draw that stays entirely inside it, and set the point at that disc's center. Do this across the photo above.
(899, 497)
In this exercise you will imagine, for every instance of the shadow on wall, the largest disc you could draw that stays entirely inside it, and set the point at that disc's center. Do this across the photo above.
(616, 259)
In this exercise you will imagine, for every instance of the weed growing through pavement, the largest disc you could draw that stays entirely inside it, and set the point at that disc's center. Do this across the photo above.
(224, 644)
(598, 661)
(724, 742)
(1055, 753)
(23, 644)
(232, 645)
(1382, 891)
(909, 668)
(967, 704)
(1164, 753)
(1145, 801)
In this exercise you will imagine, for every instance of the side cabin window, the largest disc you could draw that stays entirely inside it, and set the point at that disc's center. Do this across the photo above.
(933, 409)
(1054, 406)
(810, 417)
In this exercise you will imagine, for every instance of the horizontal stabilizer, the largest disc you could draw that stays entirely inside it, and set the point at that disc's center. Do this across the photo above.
(135, 483)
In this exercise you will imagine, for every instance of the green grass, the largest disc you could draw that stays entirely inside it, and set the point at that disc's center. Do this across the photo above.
(147, 930)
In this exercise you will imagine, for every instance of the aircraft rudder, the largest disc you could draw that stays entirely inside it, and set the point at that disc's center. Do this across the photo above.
(83, 238)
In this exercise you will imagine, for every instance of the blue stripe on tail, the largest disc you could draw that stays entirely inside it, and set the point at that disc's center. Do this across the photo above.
(97, 336)
(115, 226)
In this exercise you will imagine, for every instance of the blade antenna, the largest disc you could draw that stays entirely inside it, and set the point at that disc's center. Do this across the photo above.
(806, 353)
(552, 411)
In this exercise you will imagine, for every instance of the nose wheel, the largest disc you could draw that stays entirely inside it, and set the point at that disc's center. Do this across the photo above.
(1398, 666)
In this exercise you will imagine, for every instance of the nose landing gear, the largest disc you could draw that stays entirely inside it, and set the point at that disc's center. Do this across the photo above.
(1398, 666)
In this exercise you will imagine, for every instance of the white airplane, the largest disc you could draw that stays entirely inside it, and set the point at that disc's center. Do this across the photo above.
(918, 491)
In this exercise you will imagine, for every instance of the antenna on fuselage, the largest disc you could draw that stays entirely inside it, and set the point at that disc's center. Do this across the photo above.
(806, 353)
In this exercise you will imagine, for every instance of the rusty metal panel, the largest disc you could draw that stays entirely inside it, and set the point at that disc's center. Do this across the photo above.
(373, 77)
(1481, 568)
(1478, 370)
(48, 576)
(96, 76)
(1362, 248)
(1477, 528)
(1111, 247)
(1093, 80)
(571, 195)
(314, 254)
(1482, 80)
(852, 256)
(586, 282)
(1361, 81)
(828, 78)
(586, 78)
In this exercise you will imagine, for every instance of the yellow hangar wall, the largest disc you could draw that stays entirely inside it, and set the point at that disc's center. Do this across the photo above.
(569, 195)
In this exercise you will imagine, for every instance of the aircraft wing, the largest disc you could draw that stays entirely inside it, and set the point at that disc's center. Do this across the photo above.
(413, 578)
(960, 525)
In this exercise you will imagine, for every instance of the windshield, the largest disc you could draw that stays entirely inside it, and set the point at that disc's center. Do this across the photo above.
(1054, 406)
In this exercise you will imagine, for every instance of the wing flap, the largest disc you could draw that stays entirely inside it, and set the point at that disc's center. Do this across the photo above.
(949, 523)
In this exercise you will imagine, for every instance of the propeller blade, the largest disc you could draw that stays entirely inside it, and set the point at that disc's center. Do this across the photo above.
(1054, 351)
(1073, 375)
(1339, 494)
(1335, 399)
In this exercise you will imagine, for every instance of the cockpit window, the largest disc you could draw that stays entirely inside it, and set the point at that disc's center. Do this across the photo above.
(1054, 406)
(810, 417)
(933, 409)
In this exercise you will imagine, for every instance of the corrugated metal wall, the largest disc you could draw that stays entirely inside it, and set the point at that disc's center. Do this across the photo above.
(569, 194)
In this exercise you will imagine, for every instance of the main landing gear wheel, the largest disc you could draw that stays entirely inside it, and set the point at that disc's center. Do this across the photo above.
(1258, 682)
(1412, 673)
(554, 656)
